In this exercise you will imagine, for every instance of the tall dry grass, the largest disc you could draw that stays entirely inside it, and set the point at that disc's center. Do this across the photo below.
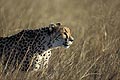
(95, 25)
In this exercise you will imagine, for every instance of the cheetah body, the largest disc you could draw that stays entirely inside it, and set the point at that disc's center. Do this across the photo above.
(31, 49)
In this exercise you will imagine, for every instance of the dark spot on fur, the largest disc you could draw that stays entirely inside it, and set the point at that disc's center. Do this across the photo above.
(48, 54)
(37, 60)
(43, 54)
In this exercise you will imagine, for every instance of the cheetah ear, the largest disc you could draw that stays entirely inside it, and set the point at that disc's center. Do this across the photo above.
(58, 24)
(51, 26)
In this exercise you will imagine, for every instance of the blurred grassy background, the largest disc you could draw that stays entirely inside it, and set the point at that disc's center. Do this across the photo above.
(95, 25)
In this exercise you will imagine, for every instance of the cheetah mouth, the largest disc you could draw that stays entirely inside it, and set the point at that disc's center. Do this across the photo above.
(66, 45)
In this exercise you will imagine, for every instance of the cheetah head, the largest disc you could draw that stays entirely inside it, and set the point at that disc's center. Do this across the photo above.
(60, 35)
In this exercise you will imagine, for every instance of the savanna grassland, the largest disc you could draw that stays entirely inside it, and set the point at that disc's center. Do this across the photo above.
(95, 25)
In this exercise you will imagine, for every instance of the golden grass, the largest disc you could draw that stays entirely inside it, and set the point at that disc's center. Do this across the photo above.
(95, 24)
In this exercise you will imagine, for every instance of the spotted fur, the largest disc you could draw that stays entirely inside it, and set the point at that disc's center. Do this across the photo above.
(31, 49)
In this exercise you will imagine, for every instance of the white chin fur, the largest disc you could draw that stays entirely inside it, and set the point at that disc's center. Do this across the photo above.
(69, 43)
(66, 46)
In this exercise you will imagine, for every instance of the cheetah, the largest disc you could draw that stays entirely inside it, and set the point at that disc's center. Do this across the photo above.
(30, 50)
